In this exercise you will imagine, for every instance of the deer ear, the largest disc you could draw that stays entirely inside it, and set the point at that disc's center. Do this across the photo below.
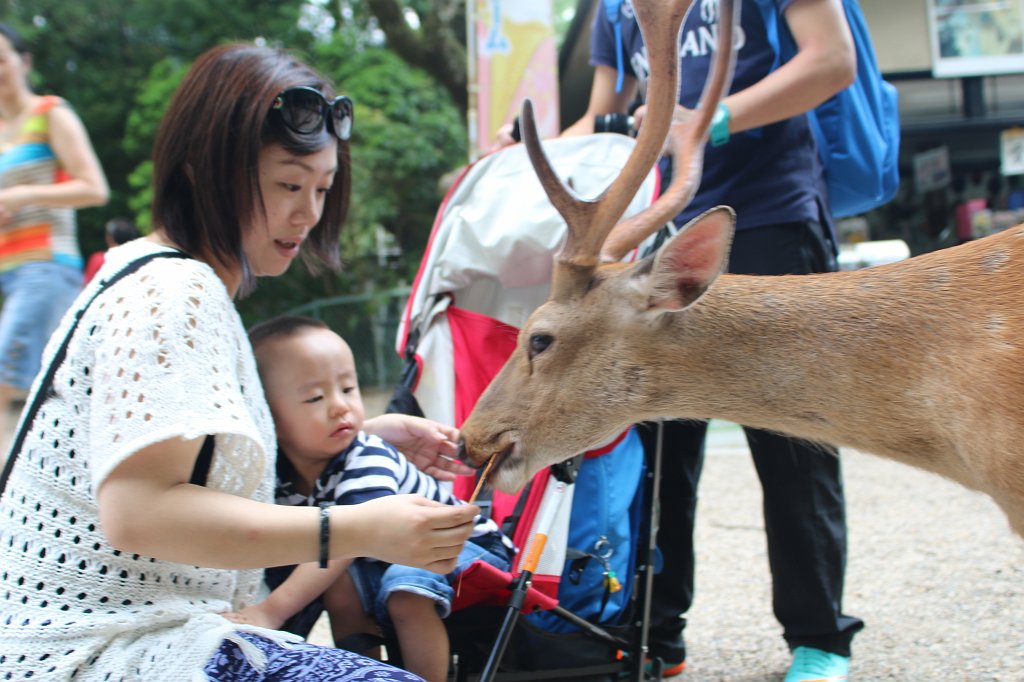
(687, 264)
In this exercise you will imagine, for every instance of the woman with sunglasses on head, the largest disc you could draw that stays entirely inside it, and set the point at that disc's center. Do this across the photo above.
(47, 170)
(139, 506)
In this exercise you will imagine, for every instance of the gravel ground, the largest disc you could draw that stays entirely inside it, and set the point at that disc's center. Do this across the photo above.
(933, 570)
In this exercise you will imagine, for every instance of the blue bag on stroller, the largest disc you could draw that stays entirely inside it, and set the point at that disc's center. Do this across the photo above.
(604, 526)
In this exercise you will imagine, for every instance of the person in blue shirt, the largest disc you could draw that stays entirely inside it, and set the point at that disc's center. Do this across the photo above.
(762, 161)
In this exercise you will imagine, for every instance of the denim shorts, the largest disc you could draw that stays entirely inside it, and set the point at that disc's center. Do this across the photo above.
(36, 296)
(376, 581)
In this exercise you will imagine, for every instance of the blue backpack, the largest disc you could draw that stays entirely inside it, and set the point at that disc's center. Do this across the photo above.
(604, 527)
(858, 129)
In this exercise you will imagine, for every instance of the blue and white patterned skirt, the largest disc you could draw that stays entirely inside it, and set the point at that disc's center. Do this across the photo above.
(298, 662)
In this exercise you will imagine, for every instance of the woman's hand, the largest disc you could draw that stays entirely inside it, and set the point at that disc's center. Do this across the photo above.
(147, 507)
(429, 445)
(404, 529)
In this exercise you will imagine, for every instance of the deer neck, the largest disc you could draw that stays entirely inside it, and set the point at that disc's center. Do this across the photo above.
(804, 355)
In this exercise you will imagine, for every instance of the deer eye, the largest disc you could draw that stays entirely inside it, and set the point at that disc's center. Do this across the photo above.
(539, 343)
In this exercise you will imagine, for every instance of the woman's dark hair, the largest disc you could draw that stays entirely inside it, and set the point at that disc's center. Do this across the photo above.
(206, 155)
(14, 38)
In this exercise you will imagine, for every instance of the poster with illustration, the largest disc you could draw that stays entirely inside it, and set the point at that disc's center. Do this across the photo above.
(976, 37)
(515, 58)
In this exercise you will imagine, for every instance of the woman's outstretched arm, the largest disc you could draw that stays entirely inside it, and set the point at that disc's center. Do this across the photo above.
(147, 506)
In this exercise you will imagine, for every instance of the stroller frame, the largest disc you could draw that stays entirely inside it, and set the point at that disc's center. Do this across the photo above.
(635, 663)
(635, 648)
(473, 240)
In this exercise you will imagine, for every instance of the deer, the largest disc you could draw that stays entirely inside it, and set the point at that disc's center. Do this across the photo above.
(919, 361)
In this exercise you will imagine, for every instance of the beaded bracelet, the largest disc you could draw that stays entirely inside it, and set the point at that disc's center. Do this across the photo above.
(325, 535)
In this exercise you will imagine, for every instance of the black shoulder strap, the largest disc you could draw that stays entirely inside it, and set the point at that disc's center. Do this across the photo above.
(202, 466)
(45, 389)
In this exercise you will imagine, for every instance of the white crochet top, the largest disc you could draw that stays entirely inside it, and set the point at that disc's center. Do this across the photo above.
(161, 354)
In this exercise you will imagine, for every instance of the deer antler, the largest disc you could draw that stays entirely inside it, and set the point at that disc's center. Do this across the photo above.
(590, 222)
(688, 138)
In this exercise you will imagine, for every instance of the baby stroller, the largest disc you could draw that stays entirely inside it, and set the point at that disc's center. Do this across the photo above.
(575, 604)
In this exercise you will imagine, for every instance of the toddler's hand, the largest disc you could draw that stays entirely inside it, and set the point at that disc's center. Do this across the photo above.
(254, 615)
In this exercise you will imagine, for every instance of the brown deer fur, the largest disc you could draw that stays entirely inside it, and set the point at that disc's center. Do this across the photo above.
(920, 361)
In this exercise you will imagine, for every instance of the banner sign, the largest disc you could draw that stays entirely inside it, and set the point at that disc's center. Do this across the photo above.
(515, 58)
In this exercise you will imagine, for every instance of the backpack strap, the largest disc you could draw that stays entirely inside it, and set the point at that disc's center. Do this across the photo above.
(202, 465)
(612, 13)
(777, 32)
(45, 389)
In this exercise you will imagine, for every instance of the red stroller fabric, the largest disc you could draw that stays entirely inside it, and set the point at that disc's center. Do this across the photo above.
(485, 585)
(480, 347)
(487, 266)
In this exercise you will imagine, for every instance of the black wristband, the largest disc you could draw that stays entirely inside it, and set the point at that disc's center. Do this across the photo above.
(325, 535)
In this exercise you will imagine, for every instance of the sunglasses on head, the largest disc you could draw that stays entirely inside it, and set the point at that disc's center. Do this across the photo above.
(305, 110)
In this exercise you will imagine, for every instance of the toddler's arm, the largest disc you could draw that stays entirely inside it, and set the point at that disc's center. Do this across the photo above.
(306, 583)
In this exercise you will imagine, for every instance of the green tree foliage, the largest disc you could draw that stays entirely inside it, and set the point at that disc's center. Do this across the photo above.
(140, 131)
(403, 62)
(96, 54)
(436, 45)
(407, 134)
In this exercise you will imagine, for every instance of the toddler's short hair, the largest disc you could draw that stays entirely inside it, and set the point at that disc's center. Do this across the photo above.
(282, 326)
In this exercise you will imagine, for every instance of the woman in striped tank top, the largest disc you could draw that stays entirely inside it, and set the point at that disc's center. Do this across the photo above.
(47, 169)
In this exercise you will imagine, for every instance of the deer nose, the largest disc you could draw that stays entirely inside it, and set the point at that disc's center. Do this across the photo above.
(462, 453)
